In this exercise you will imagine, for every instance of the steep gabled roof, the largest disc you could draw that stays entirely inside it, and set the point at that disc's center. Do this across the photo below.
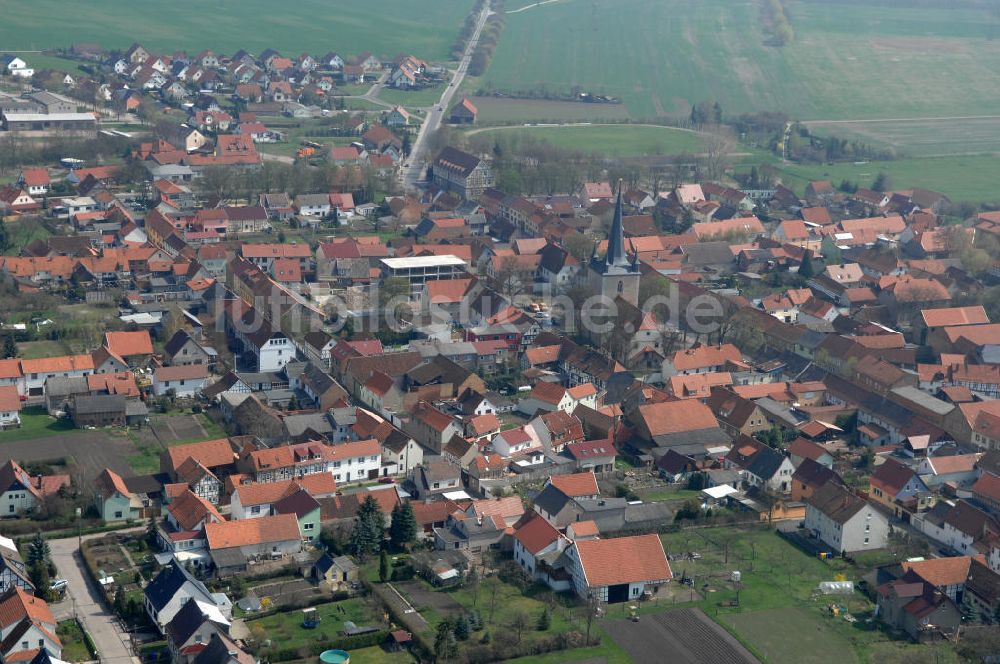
(836, 502)
(536, 534)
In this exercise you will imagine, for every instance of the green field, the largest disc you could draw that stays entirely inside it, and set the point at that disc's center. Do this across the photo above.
(384, 27)
(616, 140)
(970, 179)
(847, 60)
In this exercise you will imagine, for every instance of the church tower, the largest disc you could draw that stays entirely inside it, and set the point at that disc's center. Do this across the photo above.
(616, 274)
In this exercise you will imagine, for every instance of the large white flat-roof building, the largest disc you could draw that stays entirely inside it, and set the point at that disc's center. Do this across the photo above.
(420, 269)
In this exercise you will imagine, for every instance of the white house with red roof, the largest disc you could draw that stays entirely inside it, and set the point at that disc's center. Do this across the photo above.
(185, 380)
(35, 181)
(10, 407)
(519, 441)
(21, 492)
(548, 397)
(537, 546)
(27, 626)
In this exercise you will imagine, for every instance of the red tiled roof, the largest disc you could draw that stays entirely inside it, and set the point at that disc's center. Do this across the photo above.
(58, 364)
(10, 369)
(623, 560)
(890, 477)
(448, 291)
(706, 356)
(189, 509)
(108, 482)
(505, 508)
(250, 532)
(482, 424)
(536, 534)
(16, 605)
(542, 354)
(35, 177)
(126, 344)
(987, 486)
(577, 484)
(669, 417)
(434, 512)
(550, 393)
(432, 417)
(10, 400)
(954, 316)
(209, 453)
(941, 572)
(182, 372)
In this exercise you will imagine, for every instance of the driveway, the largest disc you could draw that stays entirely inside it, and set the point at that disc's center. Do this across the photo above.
(83, 598)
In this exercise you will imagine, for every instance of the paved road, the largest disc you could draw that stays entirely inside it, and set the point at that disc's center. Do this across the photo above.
(413, 168)
(111, 641)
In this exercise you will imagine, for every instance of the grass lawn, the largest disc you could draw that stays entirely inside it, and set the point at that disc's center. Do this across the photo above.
(970, 178)
(36, 423)
(423, 97)
(667, 493)
(614, 140)
(372, 655)
(146, 460)
(384, 27)
(285, 628)
(33, 350)
(74, 646)
(290, 147)
(509, 602)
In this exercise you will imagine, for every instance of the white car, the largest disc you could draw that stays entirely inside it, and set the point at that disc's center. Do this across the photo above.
(58, 584)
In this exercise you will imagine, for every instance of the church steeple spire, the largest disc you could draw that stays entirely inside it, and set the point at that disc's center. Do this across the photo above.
(616, 255)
